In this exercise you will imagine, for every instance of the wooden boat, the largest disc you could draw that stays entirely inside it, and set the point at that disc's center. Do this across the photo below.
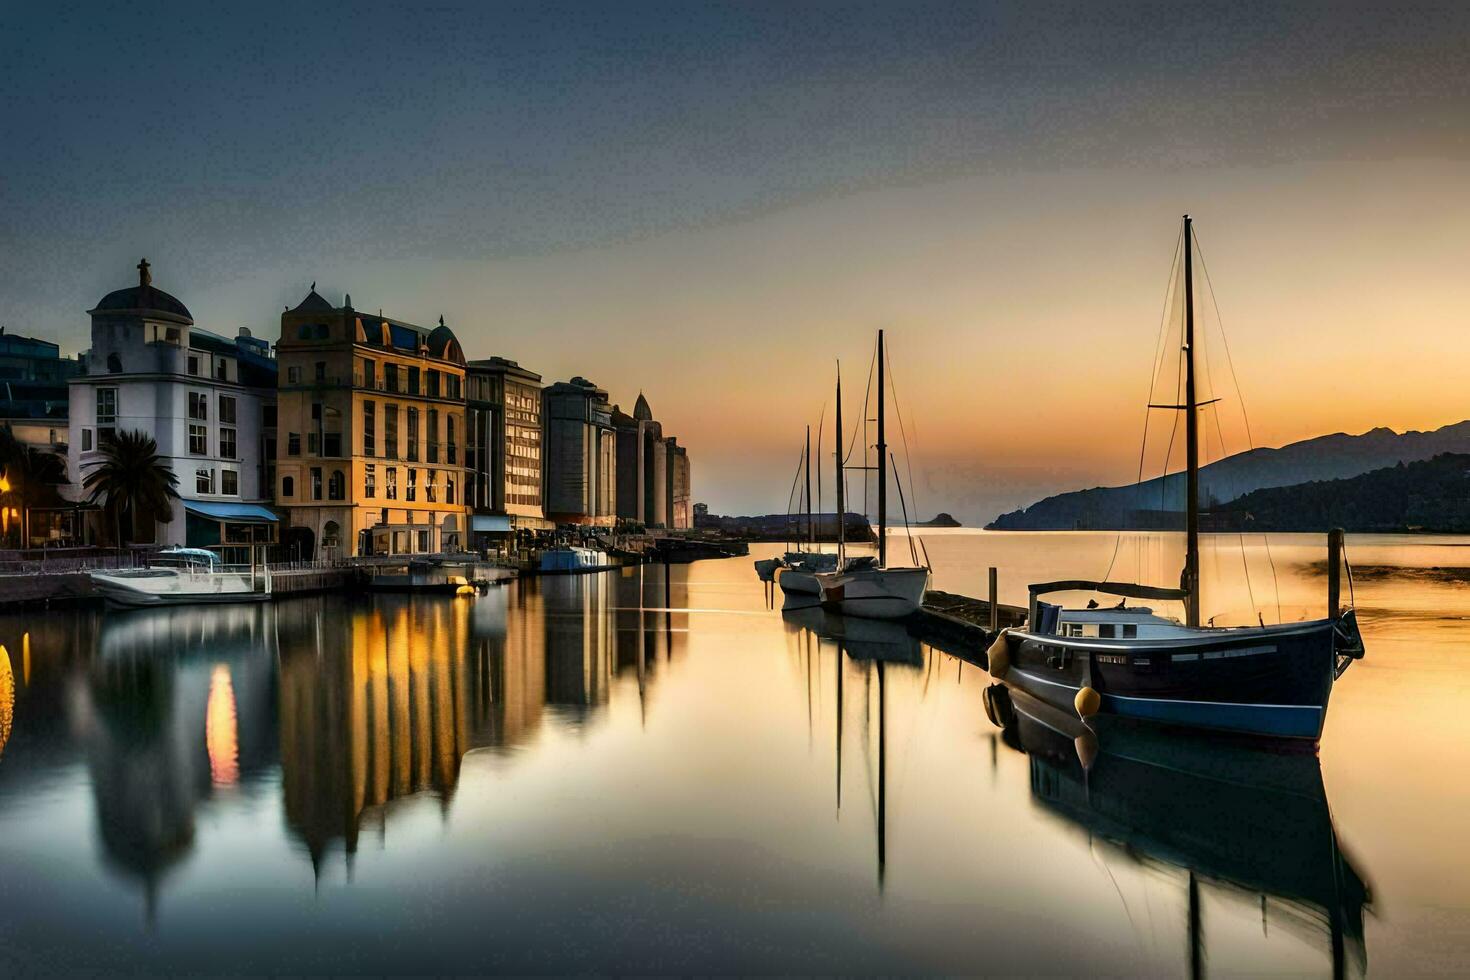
(182, 576)
(1253, 822)
(880, 591)
(1262, 680)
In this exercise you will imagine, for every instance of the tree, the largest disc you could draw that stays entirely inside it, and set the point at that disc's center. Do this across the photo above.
(131, 481)
(29, 478)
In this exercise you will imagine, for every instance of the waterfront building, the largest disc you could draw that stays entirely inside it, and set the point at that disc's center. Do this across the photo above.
(502, 450)
(580, 454)
(209, 402)
(371, 426)
(653, 471)
(33, 392)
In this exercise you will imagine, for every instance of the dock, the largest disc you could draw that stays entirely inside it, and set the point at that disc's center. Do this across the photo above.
(961, 625)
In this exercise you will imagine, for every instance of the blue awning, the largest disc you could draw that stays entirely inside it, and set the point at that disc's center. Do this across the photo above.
(238, 513)
(490, 523)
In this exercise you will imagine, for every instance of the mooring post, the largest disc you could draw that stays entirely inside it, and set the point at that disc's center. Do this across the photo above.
(994, 601)
(1334, 572)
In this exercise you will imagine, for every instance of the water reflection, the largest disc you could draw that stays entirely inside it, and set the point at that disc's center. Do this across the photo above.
(1235, 817)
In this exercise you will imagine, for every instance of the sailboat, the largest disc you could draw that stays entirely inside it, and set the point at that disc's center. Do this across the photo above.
(798, 571)
(878, 591)
(1262, 680)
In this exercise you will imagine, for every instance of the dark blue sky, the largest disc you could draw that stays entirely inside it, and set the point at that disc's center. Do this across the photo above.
(229, 138)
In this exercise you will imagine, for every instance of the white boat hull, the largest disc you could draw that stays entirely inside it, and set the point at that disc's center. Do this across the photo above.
(138, 589)
(875, 593)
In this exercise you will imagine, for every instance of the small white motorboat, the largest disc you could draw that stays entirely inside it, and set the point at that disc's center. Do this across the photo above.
(182, 576)
(573, 560)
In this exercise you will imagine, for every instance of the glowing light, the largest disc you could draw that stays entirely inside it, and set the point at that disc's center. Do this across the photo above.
(221, 729)
(7, 698)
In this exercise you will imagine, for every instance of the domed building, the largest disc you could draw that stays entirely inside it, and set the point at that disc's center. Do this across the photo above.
(372, 427)
(208, 403)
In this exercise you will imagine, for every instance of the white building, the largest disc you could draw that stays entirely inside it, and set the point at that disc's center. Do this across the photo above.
(209, 402)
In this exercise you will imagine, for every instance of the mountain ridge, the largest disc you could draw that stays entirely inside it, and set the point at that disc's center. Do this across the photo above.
(1158, 503)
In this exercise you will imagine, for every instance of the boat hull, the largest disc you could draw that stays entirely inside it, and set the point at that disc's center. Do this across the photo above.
(1272, 681)
(765, 569)
(137, 595)
(798, 581)
(875, 593)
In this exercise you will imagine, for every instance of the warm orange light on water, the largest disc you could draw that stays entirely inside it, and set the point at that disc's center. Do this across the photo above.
(221, 729)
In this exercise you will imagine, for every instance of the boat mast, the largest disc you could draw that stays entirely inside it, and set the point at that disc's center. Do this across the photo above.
(882, 468)
(1191, 441)
(841, 488)
(811, 537)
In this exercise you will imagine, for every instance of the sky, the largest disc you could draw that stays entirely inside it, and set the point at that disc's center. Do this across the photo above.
(713, 203)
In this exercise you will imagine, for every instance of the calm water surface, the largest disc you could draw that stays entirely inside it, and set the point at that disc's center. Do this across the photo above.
(618, 772)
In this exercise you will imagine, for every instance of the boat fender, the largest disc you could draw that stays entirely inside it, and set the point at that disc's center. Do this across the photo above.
(465, 590)
(999, 655)
(1087, 702)
(1086, 746)
(998, 708)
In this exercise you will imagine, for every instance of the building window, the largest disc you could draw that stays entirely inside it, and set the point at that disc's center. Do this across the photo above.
(332, 444)
(293, 375)
(321, 371)
(413, 485)
(449, 438)
(337, 486)
(449, 489)
(432, 377)
(316, 483)
(313, 444)
(390, 431)
(288, 486)
(293, 444)
(369, 428)
(86, 440)
(229, 482)
(106, 406)
(367, 373)
(267, 416)
(226, 442)
(431, 491)
(198, 440)
(423, 541)
(433, 435)
(114, 364)
(222, 369)
(370, 481)
(204, 481)
(391, 490)
(194, 365)
(199, 406)
(105, 435)
(413, 381)
(413, 434)
(227, 409)
(390, 377)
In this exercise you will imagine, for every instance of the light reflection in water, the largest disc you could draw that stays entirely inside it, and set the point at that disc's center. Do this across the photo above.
(221, 729)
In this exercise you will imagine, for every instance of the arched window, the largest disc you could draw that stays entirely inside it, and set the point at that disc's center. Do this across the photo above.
(331, 535)
(288, 486)
(337, 486)
(114, 364)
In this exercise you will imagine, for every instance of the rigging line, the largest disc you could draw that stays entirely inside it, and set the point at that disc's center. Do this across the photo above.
(1239, 397)
(908, 456)
(1153, 379)
(791, 497)
(821, 419)
(905, 507)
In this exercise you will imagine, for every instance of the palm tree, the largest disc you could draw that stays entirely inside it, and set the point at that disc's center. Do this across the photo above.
(132, 480)
(29, 478)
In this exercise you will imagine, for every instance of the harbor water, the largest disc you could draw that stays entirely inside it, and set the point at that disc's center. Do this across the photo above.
(626, 772)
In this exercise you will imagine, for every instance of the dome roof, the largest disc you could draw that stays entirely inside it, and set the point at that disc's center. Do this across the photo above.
(641, 411)
(444, 345)
(145, 300)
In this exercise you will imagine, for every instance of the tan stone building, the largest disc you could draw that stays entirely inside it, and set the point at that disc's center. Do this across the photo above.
(369, 434)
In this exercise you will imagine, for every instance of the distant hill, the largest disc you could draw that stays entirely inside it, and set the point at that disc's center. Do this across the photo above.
(1156, 504)
(1428, 495)
(941, 519)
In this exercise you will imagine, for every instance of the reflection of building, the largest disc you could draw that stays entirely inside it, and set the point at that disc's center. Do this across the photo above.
(580, 640)
(653, 471)
(580, 454)
(502, 451)
(371, 425)
(208, 402)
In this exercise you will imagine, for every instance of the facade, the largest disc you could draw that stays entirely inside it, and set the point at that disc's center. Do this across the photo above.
(502, 451)
(34, 400)
(207, 401)
(653, 472)
(580, 454)
(372, 423)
